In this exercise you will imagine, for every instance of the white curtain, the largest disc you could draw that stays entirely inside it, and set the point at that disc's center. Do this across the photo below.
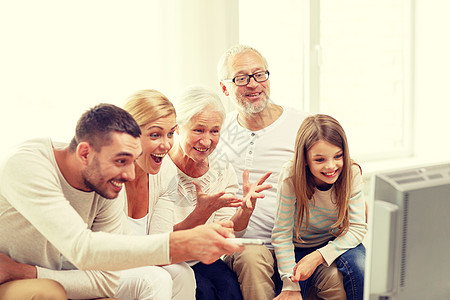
(59, 58)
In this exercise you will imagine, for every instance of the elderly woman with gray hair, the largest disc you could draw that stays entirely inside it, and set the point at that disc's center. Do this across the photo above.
(195, 189)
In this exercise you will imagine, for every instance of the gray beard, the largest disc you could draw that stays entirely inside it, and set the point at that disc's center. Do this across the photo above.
(252, 109)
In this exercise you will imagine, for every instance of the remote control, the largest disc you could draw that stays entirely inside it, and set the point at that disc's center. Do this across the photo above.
(242, 241)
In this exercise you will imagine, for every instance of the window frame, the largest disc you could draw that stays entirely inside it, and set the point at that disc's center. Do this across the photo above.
(311, 72)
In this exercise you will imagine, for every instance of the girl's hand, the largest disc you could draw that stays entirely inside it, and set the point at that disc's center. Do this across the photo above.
(289, 295)
(208, 204)
(306, 266)
(253, 191)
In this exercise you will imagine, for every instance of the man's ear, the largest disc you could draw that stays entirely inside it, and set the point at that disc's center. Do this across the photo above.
(83, 151)
(224, 89)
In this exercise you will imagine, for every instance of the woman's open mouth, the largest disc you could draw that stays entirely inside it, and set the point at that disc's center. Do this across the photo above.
(157, 158)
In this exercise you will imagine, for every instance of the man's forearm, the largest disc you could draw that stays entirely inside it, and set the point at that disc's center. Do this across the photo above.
(24, 271)
(11, 270)
(205, 243)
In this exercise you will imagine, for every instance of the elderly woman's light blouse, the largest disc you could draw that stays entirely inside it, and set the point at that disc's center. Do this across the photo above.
(176, 197)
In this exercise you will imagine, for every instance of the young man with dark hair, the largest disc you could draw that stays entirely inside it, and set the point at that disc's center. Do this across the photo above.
(58, 220)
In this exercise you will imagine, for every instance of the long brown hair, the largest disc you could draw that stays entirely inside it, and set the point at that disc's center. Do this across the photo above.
(313, 129)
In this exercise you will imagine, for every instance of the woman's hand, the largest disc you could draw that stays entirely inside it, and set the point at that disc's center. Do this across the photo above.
(306, 266)
(289, 295)
(253, 191)
(208, 203)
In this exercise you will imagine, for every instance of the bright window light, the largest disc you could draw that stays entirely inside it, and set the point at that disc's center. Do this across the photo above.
(360, 52)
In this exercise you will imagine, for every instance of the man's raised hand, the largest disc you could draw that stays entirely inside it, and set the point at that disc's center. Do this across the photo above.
(253, 191)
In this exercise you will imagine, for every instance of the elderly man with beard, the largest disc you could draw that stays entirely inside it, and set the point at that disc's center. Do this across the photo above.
(259, 136)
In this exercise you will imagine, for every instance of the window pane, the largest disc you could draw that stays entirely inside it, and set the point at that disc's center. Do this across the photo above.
(363, 79)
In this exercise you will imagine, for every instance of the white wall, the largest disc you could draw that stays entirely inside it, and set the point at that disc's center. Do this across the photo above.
(196, 33)
(432, 79)
(58, 58)
(282, 48)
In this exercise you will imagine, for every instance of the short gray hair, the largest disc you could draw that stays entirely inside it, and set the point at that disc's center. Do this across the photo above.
(196, 99)
(222, 65)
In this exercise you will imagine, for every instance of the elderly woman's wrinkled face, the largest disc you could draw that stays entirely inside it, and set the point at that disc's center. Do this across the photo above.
(199, 137)
(156, 141)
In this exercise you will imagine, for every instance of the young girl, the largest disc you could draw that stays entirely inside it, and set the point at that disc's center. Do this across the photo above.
(321, 211)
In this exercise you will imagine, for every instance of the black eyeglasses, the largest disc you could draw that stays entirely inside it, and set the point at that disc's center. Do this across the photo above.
(242, 80)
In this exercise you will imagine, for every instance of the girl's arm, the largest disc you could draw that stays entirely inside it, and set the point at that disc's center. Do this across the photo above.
(282, 233)
(358, 225)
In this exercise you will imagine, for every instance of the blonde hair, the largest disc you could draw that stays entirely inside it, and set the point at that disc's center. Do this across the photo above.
(313, 129)
(147, 106)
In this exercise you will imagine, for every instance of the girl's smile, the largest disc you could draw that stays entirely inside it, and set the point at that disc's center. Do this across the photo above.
(325, 161)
